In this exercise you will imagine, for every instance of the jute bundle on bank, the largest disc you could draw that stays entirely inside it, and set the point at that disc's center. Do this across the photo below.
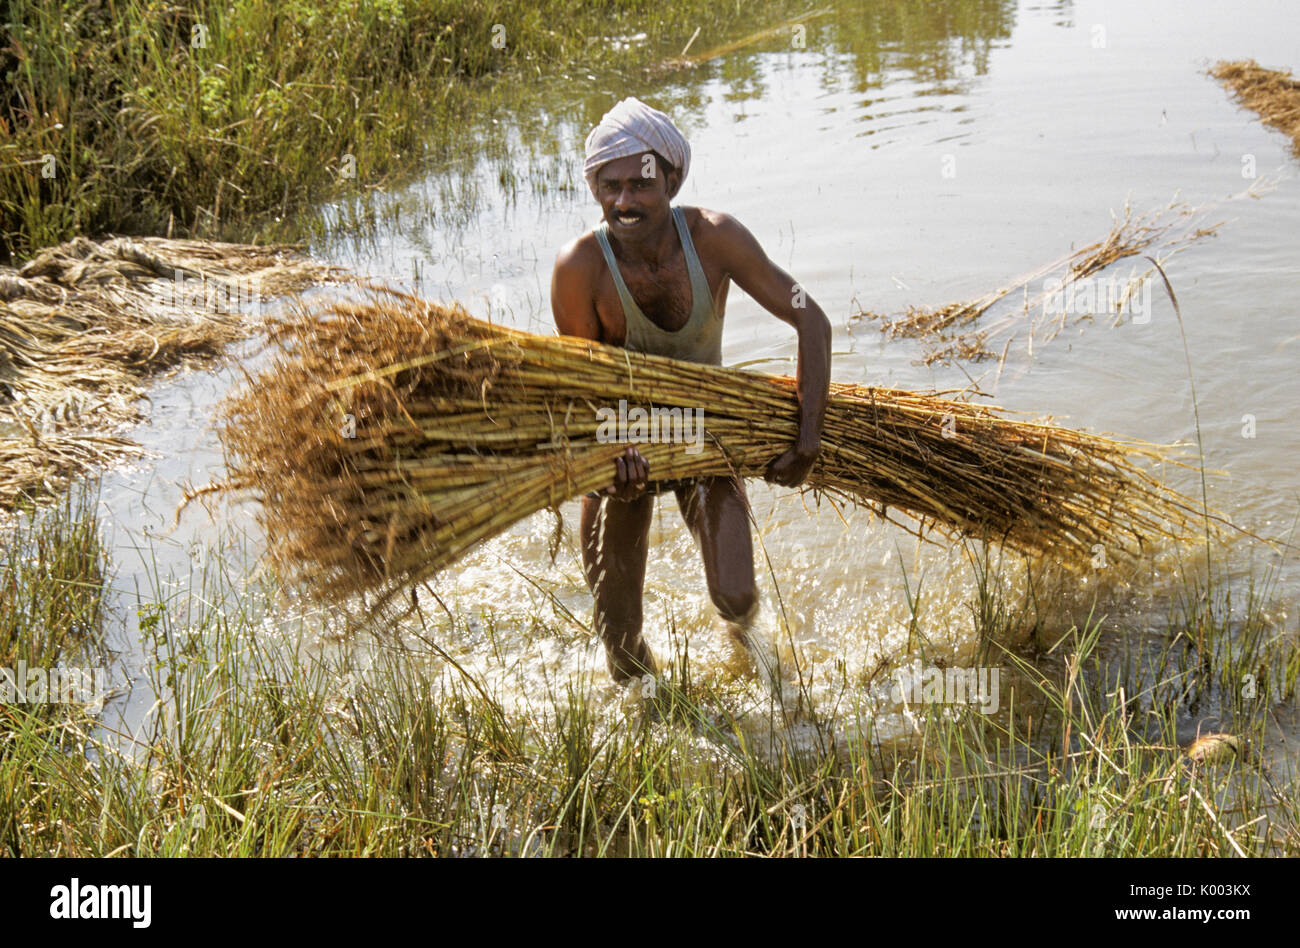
(393, 434)
(84, 325)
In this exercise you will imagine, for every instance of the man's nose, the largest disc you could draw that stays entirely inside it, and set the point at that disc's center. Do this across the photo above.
(624, 199)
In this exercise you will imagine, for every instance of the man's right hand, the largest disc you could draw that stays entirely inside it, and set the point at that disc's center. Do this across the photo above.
(632, 472)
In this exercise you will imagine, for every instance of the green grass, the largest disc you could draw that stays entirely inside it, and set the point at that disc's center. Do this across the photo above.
(51, 579)
(213, 118)
(52, 569)
(268, 744)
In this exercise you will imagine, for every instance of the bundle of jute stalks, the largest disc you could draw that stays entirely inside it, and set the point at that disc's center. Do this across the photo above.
(391, 435)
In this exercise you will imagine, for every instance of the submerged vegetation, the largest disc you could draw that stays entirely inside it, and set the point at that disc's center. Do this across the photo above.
(1165, 231)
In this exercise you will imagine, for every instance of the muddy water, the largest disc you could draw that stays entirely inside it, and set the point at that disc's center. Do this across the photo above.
(902, 156)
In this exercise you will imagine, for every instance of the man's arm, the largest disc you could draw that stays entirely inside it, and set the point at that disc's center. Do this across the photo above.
(572, 307)
(574, 313)
(778, 293)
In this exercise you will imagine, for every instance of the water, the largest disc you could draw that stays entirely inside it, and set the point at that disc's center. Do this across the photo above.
(905, 156)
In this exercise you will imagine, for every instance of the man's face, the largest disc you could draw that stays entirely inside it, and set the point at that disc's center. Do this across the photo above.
(634, 193)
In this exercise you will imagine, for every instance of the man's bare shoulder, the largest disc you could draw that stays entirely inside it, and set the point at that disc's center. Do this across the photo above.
(580, 256)
(708, 222)
(573, 288)
(717, 232)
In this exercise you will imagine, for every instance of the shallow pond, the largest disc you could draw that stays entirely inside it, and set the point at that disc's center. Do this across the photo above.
(887, 155)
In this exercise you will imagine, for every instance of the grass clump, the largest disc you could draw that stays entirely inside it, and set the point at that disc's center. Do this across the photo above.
(52, 570)
(267, 744)
(199, 117)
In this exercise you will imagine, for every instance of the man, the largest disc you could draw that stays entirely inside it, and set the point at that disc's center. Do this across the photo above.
(654, 278)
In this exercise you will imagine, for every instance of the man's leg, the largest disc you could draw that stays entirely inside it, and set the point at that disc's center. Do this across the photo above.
(615, 542)
(717, 513)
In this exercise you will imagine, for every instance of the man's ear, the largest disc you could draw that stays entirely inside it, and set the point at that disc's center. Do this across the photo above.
(674, 183)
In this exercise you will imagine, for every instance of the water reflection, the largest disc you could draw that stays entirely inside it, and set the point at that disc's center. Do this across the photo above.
(528, 141)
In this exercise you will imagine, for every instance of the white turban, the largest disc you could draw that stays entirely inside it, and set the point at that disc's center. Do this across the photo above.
(630, 128)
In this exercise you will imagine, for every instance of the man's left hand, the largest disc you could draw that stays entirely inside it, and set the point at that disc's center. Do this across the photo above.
(791, 468)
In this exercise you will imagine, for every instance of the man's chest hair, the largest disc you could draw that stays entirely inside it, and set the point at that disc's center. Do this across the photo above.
(664, 291)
